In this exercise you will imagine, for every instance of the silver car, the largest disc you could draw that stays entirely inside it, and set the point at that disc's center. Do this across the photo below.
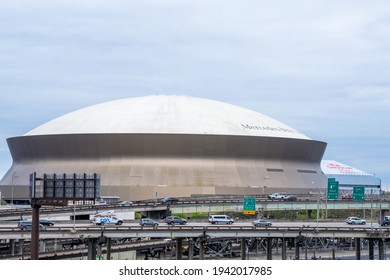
(261, 222)
(148, 222)
(355, 221)
(171, 220)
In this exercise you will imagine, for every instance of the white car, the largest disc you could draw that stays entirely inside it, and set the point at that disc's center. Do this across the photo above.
(355, 221)
(277, 196)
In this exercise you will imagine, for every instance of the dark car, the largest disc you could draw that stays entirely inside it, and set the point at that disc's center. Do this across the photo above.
(386, 221)
(24, 225)
(169, 200)
(171, 220)
(46, 222)
(347, 196)
(290, 198)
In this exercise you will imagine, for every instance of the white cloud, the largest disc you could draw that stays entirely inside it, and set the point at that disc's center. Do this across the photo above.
(320, 67)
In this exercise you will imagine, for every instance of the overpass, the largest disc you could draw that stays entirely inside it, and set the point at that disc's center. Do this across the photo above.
(189, 206)
(202, 234)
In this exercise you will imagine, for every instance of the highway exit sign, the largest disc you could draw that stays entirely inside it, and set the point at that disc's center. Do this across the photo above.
(333, 189)
(249, 206)
(358, 193)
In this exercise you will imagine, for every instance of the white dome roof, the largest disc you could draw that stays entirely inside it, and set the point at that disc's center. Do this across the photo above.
(167, 115)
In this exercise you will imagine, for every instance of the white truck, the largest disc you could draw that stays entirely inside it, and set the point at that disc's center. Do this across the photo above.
(107, 219)
(277, 196)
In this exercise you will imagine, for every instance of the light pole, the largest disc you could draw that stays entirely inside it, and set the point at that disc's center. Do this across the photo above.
(318, 203)
(74, 216)
(371, 210)
(264, 183)
(380, 203)
(12, 189)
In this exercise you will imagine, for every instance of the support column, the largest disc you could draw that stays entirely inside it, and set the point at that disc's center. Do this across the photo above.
(42, 246)
(381, 249)
(358, 248)
(108, 248)
(284, 249)
(21, 246)
(55, 246)
(201, 250)
(35, 232)
(243, 248)
(190, 248)
(296, 241)
(92, 248)
(12, 247)
(179, 248)
(269, 248)
(99, 254)
(371, 249)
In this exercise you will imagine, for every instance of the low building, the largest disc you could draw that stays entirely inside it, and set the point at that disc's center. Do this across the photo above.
(349, 177)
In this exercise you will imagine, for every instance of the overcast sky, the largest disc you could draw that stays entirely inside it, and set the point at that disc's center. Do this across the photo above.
(321, 67)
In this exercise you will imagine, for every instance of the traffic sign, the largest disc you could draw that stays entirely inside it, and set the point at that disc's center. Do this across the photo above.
(333, 189)
(358, 193)
(249, 206)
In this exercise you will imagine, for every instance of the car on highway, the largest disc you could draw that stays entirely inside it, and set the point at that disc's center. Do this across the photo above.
(386, 221)
(261, 222)
(224, 219)
(171, 220)
(125, 203)
(148, 222)
(25, 224)
(290, 198)
(347, 196)
(169, 200)
(355, 221)
(276, 196)
(101, 202)
(46, 222)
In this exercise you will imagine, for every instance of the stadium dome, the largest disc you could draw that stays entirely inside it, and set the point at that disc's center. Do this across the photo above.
(167, 115)
(170, 146)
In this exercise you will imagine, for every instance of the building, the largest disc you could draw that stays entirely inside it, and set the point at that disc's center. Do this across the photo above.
(349, 177)
(157, 146)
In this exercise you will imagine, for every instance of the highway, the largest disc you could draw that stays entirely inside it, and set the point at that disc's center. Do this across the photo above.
(275, 224)
(193, 230)
(65, 230)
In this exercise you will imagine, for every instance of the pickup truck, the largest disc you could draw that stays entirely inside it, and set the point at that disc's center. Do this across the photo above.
(277, 196)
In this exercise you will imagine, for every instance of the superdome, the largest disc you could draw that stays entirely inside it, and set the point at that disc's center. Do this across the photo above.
(167, 115)
(170, 146)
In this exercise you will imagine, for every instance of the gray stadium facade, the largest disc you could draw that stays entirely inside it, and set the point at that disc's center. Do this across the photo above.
(157, 146)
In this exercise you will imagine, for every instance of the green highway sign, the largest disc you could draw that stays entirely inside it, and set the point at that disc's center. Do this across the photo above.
(358, 193)
(249, 206)
(333, 189)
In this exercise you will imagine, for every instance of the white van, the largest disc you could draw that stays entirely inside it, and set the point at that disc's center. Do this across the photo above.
(225, 219)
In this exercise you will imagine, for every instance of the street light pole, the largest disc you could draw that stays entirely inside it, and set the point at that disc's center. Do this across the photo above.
(371, 210)
(318, 203)
(380, 204)
(12, 189)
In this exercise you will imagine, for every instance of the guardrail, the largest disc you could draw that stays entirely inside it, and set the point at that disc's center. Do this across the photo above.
(196, 231)
(205, 205)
